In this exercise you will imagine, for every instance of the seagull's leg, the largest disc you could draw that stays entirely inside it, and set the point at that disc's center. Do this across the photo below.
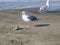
(29, 25)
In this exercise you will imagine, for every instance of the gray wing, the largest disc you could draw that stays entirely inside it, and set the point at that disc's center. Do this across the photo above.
(33, 18)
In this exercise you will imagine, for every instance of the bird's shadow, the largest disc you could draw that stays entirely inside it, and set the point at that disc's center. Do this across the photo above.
(19, 28)
(41, 25)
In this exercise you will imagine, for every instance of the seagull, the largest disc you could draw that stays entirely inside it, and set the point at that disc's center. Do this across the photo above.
(28, 18)
(45, 7)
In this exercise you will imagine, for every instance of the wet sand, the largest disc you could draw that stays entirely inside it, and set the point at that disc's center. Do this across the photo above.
(45, 31)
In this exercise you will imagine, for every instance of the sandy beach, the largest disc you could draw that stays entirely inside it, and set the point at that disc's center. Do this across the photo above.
(45, 31)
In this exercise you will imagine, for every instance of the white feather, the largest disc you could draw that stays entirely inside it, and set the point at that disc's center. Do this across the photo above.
(45, 7)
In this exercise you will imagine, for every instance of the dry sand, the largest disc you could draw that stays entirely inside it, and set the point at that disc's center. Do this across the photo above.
(46, 31)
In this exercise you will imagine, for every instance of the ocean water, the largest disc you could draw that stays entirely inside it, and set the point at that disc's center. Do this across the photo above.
(54, 6)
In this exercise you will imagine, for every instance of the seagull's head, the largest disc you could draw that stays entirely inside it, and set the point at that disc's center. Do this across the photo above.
(23, 12)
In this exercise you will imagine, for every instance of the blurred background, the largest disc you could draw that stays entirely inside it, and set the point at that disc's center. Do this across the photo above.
(20, 4)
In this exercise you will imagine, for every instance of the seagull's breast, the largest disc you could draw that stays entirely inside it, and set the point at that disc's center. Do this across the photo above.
(25, 18)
